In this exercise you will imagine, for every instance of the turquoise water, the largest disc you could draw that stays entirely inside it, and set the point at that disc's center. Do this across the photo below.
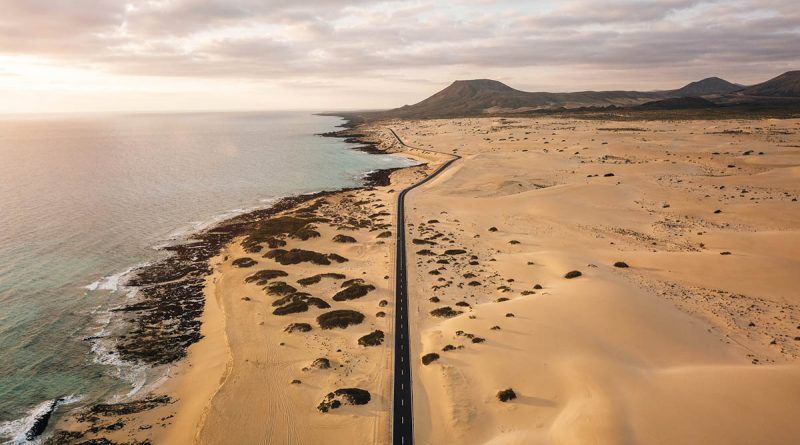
(84, 198)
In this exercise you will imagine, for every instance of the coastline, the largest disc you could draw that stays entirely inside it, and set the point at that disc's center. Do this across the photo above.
(191, 348)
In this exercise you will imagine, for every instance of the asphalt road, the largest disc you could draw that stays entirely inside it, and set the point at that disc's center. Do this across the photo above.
(403, 420)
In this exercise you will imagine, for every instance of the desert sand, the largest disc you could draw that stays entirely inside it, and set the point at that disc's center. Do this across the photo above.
(697, 341)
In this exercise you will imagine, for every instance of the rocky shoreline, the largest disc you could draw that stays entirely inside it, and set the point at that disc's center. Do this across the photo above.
(164, 318)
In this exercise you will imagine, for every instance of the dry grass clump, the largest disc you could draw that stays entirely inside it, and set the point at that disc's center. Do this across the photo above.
(429, 358)
(244, 262)
(354, 291)
(340, 318)
(263, 276)
(445, 312)
(374, 338)
(385, 234)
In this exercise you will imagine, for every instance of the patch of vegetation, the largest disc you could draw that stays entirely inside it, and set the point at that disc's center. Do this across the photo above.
(280, 288)
(343, 239)
(297, 327)
(354, 291)
(506, 395)
(314, 279)
(374, 338)
(445, 312)
(306, 233)
(572, 274)
(291, 308)
(340, 318)
(429, 358)
(296, 256)
(262, 277)
(352, 396)
(244, 262)
(621, 264)
(321, 363)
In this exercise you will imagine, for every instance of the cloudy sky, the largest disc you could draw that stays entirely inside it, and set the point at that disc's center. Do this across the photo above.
(98, 55)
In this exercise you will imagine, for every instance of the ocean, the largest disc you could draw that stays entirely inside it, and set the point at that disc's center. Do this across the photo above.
(85, 198)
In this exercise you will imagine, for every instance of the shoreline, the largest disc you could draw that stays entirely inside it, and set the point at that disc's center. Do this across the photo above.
(184, 273)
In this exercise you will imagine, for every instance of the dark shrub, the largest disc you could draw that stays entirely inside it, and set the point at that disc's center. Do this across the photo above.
(353, 396)
(374, 338)
(280, 288)
(573, 274)
(263, 276)
(244, 262)
(506, 395)
(429, 358)
(621, 264)
(340, 318)
(321, 363)
(306, 233)
(297, 327)
(445, 312)
(353, 292)
(292, 308)
(296, 256)
(343, 239)
(337, 258)
(317, 278)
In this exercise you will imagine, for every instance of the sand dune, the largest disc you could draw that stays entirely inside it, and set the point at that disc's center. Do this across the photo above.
(687, 345)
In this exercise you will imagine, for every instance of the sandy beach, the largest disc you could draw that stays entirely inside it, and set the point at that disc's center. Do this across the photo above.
(694, 339)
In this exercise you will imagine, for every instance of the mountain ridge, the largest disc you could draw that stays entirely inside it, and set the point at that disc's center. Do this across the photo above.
(478, 97)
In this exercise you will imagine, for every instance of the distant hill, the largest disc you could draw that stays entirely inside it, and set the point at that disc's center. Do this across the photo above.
(785, 85)
(480, 96)
(707, 86)
(490, 97)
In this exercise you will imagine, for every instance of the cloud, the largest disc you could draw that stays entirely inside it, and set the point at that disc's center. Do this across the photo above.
(310, 40)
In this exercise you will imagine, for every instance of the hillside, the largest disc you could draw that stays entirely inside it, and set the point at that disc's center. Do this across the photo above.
(710, 85)
(785, 85)
(486, 97)
(476, 97)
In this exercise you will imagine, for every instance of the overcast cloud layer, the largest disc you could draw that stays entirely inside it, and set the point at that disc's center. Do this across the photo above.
(382, 54)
